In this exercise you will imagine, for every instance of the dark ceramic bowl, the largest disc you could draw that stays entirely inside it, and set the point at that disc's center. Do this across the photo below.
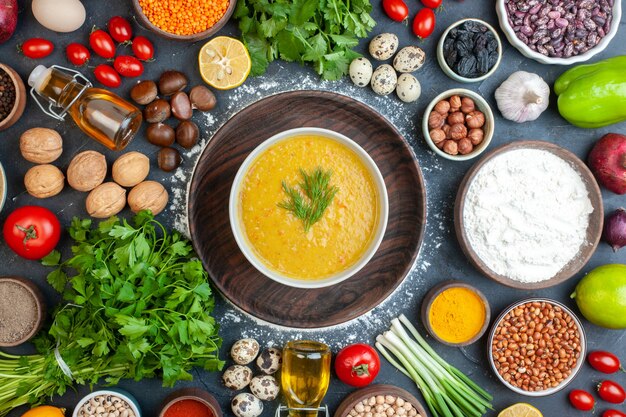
(34, 291)
(191, 394)
(20, 98)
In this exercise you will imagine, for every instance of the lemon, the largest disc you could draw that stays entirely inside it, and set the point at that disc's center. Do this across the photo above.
(224, 63)
(520, 410)
(601, 296)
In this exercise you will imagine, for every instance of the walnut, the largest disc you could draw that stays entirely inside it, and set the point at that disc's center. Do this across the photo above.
(43, 181)
(456, 117)
(41, 145)
(450, 147)
(435, 120)
(458, 131)
(105, 200)
(437, 135)
(475, 119)
(465, 146)
(86, 171)
(148, 195)
(476, 136)
(467, 105)
(130, 169)
(443, 107)
(455, 103)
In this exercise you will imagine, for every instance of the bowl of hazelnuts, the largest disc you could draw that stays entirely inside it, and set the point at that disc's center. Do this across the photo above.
(458, 124)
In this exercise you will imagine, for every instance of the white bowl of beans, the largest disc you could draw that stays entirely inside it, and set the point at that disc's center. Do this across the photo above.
(560, 32)
(537, 346)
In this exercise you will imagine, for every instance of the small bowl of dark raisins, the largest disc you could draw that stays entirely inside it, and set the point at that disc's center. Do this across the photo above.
(469, 51)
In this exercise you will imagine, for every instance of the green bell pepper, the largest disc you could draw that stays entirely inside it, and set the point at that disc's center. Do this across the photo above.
(593, 95)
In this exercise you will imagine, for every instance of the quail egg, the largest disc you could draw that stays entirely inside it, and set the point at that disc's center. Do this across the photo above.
(408, 88)
(361, 71)
(384, 80)
(237, 377)
(409, 59)
(264, 387)
(246, 405)
(269, 360)
(244, 351)
(383, 46)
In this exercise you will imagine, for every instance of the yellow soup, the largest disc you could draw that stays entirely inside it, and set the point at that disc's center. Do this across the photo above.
(339, 239)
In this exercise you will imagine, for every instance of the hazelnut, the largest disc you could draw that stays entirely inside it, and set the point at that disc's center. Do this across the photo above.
(467, 105)
(43, 181)
(456, 117)
(450, 147)
(435, 120)
(465, 146)
(130, 169)
(443, 107)
(437, 135)
(86, 171)
(458, 131)
(446, 130)
(105, 200)
(455, 103)
(148, 195)
(476, 136)
(440, 144)
(41, 145)
(475, 119)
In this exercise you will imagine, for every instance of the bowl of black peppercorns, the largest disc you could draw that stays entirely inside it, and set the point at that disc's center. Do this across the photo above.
(470, 50)
(12, 97)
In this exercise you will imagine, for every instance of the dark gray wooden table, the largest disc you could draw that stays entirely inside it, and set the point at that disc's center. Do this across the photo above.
(440, 257)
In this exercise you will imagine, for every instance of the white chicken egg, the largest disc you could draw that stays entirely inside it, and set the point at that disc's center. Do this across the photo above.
(59, 15)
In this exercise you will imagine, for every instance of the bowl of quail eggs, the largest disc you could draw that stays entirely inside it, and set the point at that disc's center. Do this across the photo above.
(390, 74)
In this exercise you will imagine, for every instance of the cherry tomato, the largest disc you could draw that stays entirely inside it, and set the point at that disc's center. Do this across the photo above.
(32, 231)
(102, 44)
(424, 23)
(357, 364)
(107, 76)
(433, 4)
(120, 29)
(36, 48)
(581, 400)
(143, 48)
(77, 54)
(128, 66)
(611, 392)
(605, 362)
(396, 10)
(613, 413)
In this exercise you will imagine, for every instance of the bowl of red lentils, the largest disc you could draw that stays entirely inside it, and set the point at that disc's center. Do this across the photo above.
(184, 20)
(537, 346)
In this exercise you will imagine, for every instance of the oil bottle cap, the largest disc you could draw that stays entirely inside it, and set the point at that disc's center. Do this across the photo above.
(37, 76)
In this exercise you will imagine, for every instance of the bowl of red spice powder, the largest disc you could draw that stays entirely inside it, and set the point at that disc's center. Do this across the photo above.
(190, 402)
(184, 20)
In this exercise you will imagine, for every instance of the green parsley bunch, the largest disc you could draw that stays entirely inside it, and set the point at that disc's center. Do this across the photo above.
(137, 307)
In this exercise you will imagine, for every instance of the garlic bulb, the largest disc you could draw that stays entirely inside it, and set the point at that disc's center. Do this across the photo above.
(522, 97)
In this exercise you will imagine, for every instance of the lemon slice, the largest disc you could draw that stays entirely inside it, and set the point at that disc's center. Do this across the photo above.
(520, 410)
(224, 63)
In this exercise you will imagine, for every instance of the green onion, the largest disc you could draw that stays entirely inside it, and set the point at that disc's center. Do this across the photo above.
(447, 391)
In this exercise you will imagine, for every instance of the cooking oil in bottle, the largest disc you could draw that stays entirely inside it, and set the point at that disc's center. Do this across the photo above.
(305, 375)
(104, 116)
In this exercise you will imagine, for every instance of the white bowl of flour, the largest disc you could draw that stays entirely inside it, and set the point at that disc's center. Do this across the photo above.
(529, 214)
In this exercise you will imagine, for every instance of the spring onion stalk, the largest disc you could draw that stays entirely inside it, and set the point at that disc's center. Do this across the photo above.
(447, 391)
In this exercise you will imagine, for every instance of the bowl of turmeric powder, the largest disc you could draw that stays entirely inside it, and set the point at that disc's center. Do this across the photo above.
(455, 313)
(184, 20)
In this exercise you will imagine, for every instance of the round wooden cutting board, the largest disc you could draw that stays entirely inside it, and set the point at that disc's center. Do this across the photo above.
(210, 228)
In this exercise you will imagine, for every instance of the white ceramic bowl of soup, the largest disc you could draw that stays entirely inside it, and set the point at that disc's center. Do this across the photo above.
(273, 239)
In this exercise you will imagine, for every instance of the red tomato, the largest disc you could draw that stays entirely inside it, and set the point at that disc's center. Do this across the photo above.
(433, 4)
(107, 76)
(613, 413)
(396, 10)
(424, 23)
(611, 392)
(120, 29)
(32, 231)
(77, 54)
(36, 48)
(605, 362)
(143, 48)
(581, 400)
(128, 66)
(102, 44)
(357, 364)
